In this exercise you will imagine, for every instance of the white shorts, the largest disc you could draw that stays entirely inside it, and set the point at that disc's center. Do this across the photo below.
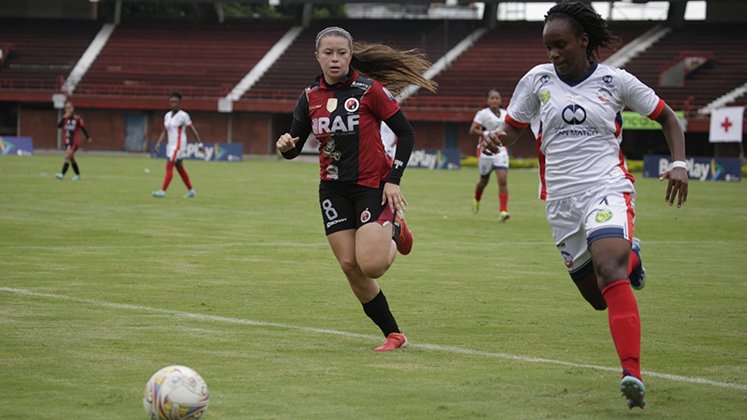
(578, 221)
(488, 163)
(173, 154)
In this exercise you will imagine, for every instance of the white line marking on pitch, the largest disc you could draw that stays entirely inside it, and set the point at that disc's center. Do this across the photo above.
(422, 346)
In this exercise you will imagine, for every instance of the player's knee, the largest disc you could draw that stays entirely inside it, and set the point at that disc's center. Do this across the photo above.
(350, 267)
(373, 268)
(609, 272)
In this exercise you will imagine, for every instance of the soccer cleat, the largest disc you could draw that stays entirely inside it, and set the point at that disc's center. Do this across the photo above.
(76, 178)
(475, 205)
(403, 237)
(633, 390)
(637, 277)
(159, 194)
(504, 215)
(393, 341)
(191, 193)
(59, 176)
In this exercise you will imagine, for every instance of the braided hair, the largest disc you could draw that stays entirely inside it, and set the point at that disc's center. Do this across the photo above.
(583, 18)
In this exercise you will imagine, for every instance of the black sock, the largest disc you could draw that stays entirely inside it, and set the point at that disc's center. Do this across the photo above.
(75, 168)
(378, 310)
(64, 168)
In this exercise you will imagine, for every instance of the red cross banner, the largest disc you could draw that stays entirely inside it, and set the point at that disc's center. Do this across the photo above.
(726, 124)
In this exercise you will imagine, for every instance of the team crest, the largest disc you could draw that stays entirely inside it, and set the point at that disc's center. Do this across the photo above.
(331, 104)
(603, 216)
(351, 104)
(544, 96)
(365, 216)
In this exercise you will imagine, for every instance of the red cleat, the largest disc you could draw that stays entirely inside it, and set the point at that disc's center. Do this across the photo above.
(393, 342)
(404, 239)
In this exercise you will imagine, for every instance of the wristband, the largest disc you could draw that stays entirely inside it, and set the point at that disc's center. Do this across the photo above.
(679, 164)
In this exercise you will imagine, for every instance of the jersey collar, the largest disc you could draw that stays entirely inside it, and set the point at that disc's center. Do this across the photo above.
(581, 79)
(343, 83)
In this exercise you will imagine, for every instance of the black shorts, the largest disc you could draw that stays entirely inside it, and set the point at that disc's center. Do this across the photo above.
(73, 146)
(348, 206)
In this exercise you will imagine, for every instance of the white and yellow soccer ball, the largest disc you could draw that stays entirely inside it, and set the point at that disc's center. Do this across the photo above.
(176, 393)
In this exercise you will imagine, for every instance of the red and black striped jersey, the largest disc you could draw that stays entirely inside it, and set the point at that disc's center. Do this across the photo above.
(71, 126)
(345, 119)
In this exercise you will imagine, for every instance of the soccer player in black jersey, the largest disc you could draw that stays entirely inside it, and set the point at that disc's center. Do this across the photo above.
(71, 124)
(361, 202)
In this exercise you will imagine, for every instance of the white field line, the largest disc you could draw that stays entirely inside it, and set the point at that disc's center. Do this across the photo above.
(422, 346)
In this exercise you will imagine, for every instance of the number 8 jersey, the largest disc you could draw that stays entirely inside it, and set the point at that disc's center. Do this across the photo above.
(580, 126)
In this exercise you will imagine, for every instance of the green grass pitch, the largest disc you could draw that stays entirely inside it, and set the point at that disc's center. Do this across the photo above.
(101, 285)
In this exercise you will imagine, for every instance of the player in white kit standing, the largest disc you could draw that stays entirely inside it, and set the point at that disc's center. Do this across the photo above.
(590, 199)
(175, 124)
(488, 119)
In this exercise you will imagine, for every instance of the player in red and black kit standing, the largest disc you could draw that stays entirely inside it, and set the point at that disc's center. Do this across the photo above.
(361, 203)
(72, 124)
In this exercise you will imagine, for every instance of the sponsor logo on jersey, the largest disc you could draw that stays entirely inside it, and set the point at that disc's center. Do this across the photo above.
(331, 104)
(332, 171)
(603, 215)
(329, 150)
(365, 216)
(604, 95)
(351, 104)
(544, 96)
(574, 114)
(339, 124)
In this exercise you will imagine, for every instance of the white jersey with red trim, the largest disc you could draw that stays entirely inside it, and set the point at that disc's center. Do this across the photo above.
(176, 126)
(490, 121)
(580, 126)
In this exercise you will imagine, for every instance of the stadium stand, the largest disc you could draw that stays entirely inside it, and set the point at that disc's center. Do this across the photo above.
(297, 67)
(43, 52)
(725, 72)
(498, 60)
(201, 60)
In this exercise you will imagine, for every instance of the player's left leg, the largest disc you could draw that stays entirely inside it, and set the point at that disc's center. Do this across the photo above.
(74, 165)
(185, 178)
(69, 151)
(502, 174)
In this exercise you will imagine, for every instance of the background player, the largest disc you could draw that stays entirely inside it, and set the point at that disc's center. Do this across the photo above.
(589, 191)
(72, 124)
(175, 124)
(361, 202)
(487, 119)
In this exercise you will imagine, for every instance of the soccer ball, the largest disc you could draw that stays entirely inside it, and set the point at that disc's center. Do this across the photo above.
(175, 393)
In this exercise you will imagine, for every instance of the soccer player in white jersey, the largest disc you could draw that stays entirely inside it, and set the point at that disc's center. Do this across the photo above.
(590, 199)
(488, 119)
(175, 124)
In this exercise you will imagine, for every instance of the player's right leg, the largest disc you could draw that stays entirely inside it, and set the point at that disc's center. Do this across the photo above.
(485, 167)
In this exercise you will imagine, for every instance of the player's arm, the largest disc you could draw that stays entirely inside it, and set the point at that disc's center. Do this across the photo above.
(197, 135)
(677, 175)
(505, 135)
(291, 143)
(160, 138)
(85, 132)
(476, 129)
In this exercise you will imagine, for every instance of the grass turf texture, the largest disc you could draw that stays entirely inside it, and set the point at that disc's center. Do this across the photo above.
(473, 294)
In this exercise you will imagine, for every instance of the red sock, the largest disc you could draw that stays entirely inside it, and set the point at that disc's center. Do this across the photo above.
(185, 176)
(168, 176)
(634, 261)
(625, 324)
(504, 201)
(478, 194)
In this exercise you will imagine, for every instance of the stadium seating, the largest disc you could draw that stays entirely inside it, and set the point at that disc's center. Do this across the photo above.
(43, 52)
(727, 71)
(498, 60)
(295, 69)
(200, 60)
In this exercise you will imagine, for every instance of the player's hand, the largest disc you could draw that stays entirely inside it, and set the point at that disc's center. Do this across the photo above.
(392, 196)
(286, 142)
(90, 139)
(677, 186)
(492, 141)
(200, 146)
